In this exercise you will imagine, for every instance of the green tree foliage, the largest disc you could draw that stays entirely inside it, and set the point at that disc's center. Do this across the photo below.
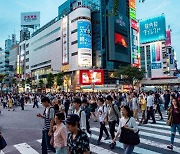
(59, 79)
(23, 82)
(29, 81)
(131, 75)
(41, 83)
(50, 80)
(14, 81)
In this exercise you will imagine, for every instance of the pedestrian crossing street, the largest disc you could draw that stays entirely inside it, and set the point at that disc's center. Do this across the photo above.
(154, 139)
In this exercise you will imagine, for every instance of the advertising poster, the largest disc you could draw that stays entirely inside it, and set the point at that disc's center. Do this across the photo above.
(84, 35)
(153, 29)
(132, 13)
(65, 53)
(168, 38)
(88, 77)
(132, 4)
(30, 18)
(121, 40)
(156, 60)
(84, 44)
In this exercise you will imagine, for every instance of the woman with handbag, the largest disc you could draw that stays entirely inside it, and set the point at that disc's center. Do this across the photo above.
(128, 131)
(174, 120)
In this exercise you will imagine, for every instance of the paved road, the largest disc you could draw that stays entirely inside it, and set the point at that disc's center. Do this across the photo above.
(22, 131)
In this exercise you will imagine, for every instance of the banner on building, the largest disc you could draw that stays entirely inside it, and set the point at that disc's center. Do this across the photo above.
(168, 38)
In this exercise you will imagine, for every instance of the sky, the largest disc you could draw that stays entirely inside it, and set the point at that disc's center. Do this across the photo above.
(10, 11)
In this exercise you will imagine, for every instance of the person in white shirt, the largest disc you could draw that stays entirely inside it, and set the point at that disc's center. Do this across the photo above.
(150, 110)
(102, 114)
(77, 110)
(127, 122)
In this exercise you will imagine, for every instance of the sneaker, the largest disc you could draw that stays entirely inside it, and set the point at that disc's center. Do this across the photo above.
(107, 138)
(170, 147)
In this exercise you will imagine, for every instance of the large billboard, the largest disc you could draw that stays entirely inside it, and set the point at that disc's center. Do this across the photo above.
(156, 60)
(65, 52)
(88, 77)
(121, 40)
(168, 38)
(84, 44)
(84, 35)
(30, 18)
(153, 29)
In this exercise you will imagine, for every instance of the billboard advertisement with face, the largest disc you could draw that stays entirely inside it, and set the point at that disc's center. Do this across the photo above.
(88, 77)
(153, 29)
(30, 18)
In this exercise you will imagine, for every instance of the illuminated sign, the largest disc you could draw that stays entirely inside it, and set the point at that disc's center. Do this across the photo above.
(85, 57)
(84, 35)
(121, 40)
(132, 13)
(132, 4)
(152, 29)
(88, 77)
(168, 38)
(134, 24)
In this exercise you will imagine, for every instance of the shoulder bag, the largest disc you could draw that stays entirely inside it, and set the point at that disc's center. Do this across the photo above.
(128, 136)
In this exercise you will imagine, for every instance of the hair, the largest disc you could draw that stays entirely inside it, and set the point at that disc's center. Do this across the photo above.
(178, 103)
(101, 100)
(45, 99)
(85, 101)
(109, 98)
(129, 113)
(77, 100)
(59, 101)
(60, 116)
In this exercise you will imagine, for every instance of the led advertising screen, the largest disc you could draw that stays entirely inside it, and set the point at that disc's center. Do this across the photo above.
(156, 60)
(121, 40)
(132, 4)
(132, 13)
(168, 38)
(134, 24)
(153, 29)
(30, 18)
(84, 35)
(88, 77)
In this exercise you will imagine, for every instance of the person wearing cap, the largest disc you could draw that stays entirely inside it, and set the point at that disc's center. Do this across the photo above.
(48, 117)
(78, 141)
(77, 110)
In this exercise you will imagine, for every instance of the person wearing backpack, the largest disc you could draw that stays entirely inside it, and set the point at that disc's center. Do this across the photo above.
(113, 116)
(47, 132)
(102, 114)
(87, 110)
(77, 110)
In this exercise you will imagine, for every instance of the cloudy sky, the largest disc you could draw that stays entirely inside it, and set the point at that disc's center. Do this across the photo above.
(10, 11)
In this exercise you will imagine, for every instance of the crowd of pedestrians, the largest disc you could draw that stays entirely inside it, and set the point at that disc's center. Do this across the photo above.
(67, 116)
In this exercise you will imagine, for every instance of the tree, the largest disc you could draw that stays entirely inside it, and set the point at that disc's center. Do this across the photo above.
(23, 83)
(14, 82)
(41, 83)
(50, 80)
(59, 79)
(131, 75)
(2, 76)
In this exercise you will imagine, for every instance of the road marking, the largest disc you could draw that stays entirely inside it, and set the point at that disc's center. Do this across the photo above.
(100, 150)
(118, 144)
(1, 152)
(156, 125)
(40, 140)
(24, 148)
(155, 130)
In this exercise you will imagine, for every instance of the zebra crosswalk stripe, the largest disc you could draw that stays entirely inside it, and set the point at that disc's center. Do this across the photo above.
(100, 150)
(24, 148)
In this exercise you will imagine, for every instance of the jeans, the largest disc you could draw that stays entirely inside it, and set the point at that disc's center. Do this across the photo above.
(62, 150)
(173, 131)
(102, 128)
(112, 125)
(46, 142)
(35, 104)
(128, 149)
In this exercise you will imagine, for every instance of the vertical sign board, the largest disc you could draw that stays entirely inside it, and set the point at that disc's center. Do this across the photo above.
(153, 29)
(168, 38)
(156, 60)
(84, 44)
(65, 53)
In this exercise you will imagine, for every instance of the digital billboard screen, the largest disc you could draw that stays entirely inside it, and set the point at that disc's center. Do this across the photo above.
(88, 77)
(121, 40)
(84, 35)
(153, 29)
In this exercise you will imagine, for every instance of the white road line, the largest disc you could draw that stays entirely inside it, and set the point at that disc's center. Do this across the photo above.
(155, 129)
(156, 125)
(136, 150)
(24, 148)
(100, 150)
(40, 140)
(1, 152)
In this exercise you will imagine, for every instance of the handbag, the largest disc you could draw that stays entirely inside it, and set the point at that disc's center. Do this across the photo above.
(128, 136)
(3, 143)
(170, 120)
